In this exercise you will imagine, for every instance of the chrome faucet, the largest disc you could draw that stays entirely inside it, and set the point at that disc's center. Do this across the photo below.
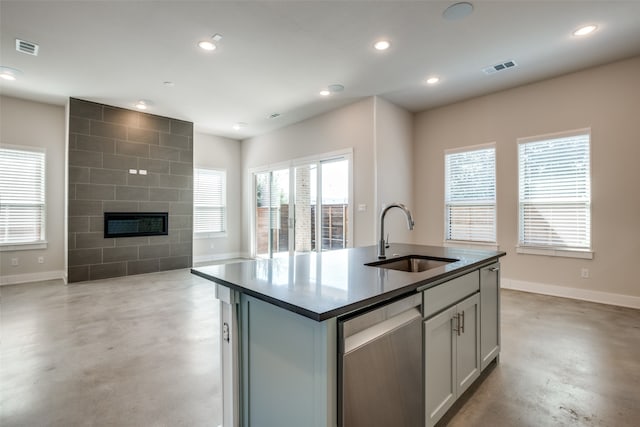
(382, 245)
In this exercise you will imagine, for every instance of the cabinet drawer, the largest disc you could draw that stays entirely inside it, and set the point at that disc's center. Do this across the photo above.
(448, 293)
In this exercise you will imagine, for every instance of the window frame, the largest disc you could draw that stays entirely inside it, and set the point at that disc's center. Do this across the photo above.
(476, 243)
(224, 206)
(554, 250)
(344, 154)
(42, 242)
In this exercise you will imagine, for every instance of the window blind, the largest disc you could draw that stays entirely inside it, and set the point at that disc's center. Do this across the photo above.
(470, 195)
(22, 196)
(210, 198)
(555, 192)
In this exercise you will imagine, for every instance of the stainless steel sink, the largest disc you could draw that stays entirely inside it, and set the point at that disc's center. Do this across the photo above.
(412, 263)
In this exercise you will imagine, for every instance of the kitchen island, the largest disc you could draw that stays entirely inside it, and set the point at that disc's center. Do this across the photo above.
(283, 335)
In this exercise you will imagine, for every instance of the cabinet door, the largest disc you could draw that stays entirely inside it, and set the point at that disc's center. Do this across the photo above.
(489, 314)
(468, 343)
(440, 367)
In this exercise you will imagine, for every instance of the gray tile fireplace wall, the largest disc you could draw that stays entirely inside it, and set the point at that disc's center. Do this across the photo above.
(105, 144)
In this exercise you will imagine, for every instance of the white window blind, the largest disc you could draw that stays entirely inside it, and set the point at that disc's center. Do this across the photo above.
(22, 196)
(555, 191)
(210, 199)
(470, 195)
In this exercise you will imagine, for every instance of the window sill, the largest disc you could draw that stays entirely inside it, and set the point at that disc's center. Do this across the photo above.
(566, 253)
(23, 246)
(209, 235)
(470, 244)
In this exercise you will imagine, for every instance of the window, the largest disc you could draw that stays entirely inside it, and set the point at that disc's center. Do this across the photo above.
(209, 201)
(470, 194)
(22, 200)
(272, 212)
(555, 192)
(302, 206)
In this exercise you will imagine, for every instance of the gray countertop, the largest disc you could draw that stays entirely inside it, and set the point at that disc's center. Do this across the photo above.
(330, 284)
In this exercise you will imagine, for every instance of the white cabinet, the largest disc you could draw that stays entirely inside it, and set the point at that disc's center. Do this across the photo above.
(489, 314)
(451, 355)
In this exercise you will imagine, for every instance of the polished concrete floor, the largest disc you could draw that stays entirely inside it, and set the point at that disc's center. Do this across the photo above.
(143, 351)
(134, 351)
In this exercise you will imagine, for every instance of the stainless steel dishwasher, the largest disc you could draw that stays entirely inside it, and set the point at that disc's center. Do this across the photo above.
(380, 366)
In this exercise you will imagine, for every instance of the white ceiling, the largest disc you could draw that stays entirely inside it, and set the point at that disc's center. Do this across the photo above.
(276, 56)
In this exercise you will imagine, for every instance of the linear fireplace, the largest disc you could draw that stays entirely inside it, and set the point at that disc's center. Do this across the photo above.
(131, 224)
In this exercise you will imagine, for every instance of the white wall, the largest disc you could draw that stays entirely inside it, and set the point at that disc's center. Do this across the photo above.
(216, 152)
(347, 127)
(606, 99)
(394, 168)
(35, 124)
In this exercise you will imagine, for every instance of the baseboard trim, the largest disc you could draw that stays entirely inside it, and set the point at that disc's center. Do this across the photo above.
(216, 257)
(32, 277)
(573, 293)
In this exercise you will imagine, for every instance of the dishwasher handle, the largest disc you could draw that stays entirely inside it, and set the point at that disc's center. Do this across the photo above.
(374, 332)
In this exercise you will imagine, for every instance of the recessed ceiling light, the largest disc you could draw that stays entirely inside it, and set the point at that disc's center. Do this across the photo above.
(209, 44)
(457, 11)
(382, 45)
(334, 88)
(433, 80)
(239, 125)
(168, 84)
(206, 45)
(142, 105)
(9, 74)
(583, 31)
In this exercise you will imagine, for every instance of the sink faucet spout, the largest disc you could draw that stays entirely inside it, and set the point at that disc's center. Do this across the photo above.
(410, 224)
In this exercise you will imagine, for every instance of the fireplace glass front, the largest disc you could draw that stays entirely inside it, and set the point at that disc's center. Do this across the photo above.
(132, 224)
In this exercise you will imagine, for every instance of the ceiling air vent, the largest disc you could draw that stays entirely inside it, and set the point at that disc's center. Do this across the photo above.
(27, 47)
(500, 67)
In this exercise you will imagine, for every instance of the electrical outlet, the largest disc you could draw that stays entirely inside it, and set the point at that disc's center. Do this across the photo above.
(584, 273)
(14, 262)
(40, 260)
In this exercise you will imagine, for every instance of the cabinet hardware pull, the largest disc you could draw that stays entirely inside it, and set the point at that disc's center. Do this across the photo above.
(457, 319)
(225, 332)
(494, 269)
(462, 325)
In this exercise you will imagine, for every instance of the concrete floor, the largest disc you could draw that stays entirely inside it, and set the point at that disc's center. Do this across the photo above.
(143, 351)
(133, 351)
